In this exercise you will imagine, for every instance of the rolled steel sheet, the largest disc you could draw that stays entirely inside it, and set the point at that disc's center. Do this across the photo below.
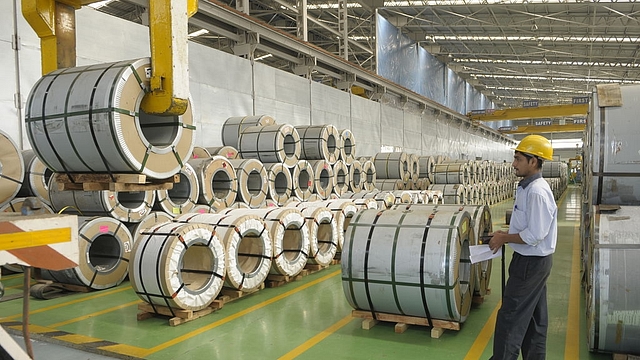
(370, 177)
(104, 245)
(233, 127)
(404, 197)
(217, 180)
(320, 142)
(414, 167)
(303, 178)
(179, 266)
(278, 143)
(279, 183)
(199, 152)
(343, 210)
(237, 205)
(389, 184)
(252, 182)
(324, 179)
(152, 219)
(383, 199)
(289, 234)
(11, 169)
(451, 173)
(227, 151)
(384, 268)
(323, 235)
(127, 206)
(348, 150)
(341, 172)
(423, 184)
(356, 176)
(426, 167)
(393, 165)
(183, 197)
(554, 169)
(451, 193)
(247, 247)
(15, 205)
(88, 119)
(36, 178)
(613, 290)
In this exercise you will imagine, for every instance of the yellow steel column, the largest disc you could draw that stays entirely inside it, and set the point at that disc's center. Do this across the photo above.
(41, 14)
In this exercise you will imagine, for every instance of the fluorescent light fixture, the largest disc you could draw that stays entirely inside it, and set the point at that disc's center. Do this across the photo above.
(566, 143)
(198, 33)
(99, 4)
(263, 57)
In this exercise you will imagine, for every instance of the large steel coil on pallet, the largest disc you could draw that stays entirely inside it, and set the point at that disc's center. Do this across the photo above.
(289, 234)
(88, 119)
(341, 172)
(104, 245)
(247, 246)
(217, 181)
(252, 182)
(36, 178)
(320, 142)
(11, 169)
(233, 127)
(182, 198)
(278, 143)
(279, 183)
(613, 285)
(303, 178)
(152, 219)
(343, 211)
(410, 262)
(356, 176)
(348, 150)
(127, 206)
(179, 266)
(370, 177)
(451, 173)
(324, 179)
(393, 165)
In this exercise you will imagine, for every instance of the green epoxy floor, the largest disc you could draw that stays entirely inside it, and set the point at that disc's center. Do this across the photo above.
(305, 319)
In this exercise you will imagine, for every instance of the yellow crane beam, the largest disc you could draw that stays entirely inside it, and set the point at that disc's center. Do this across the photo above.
(532, 129)
(531, 113)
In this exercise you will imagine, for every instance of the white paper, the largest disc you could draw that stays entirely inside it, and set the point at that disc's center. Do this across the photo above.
(482, 253)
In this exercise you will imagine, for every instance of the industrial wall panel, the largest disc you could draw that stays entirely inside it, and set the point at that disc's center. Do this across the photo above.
(429, 134)
(434, 74)
(365, 124)
(330, 106)
(284, 96)
(392, 124)
(412, 133)
(456, 98)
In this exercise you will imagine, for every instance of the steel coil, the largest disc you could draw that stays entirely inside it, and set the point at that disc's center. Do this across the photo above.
(451, 193)
(323, 235)
(233, 127)
(370, 177)
(389, 184)
(383, 199)
(320, 142)
(393, 165)
(199, 152)
(227, 151)
(348, 149)
(343, 211)
(252, 182)
(341, 172)
(152, 219)
(88, 119)
(427, 164)
(182, 198)
(356, 177)
(11, 169)
(36, 178)
(279, 183)
(278, 143)
(451, 173)
(303, 180)
(324, 179)
(217, 181)
(179, 266)
(15, 205)
(204, 209)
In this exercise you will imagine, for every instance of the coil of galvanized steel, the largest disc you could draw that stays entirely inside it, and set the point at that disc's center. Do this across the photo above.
(252, 182)
(389, 184)
(303, 180)
(233, 127)
(370, 177)
(247, 247)
(15, 205)
(393, 165)
(152, 219)
(348, 149)
(433, 196)
(279, 183)
(414, 167)
(323, 234)
(278, 143)
(88, 119)
(341, 173)
(426, 167)
(179, 266)
(127, 206)
(451, 193)
(423, 184)
(320, 142)
(343, 211)
(183, 197)
(289, 234)
(217, 181)
(383, 199)
(385, 270)
(554, 169)
(200, 152)
(205, 209)
(404, 197)
(451, 173)
(36, 178)
(324, 179)
(238, 205)
(104, 245)
(227, 151)
(613, 289)
(11, 169)
(356, 177)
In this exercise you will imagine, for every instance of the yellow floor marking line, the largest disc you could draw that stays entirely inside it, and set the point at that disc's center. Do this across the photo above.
(101, 294)
(124, 349)
(483, 338)
(11, 277)
(77, 339)
(201, 330)
(97, 313)
(572, 340)
(316, 339)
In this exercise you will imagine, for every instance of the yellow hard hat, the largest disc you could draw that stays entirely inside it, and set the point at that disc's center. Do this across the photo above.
(536, 145)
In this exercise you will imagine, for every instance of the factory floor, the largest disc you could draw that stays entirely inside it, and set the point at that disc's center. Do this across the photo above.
(304, 319)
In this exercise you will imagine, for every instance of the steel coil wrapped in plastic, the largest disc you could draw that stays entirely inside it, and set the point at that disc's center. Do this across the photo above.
(324, 178)
(341, 172)
(303, 178)
(410, 262)
(183, 196)
(11, 169)
(36, 178)
(348, 149)
(217, 181)
(343, 211)
(88, 119)
(279, 183)
(233, 127)
(356, 176)
(179, 266)
(152, 219)
(370, 177)
(278, 143)
(227, 151)
(199, 152)
(105, 246)
(323, 234)
(320, 142)
(252, 182)
(383, 199)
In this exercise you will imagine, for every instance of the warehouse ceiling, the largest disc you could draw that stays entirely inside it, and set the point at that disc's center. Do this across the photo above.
(550, 51)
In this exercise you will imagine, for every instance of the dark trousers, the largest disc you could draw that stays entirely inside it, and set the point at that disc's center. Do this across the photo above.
(523, 320)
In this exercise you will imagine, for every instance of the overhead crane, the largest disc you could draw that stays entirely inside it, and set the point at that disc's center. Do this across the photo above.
(531, 112)
(541, 129)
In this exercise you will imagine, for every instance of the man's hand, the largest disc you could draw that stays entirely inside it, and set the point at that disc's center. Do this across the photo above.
(498, 239)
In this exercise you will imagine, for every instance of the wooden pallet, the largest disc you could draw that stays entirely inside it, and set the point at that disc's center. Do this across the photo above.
(403, 322)
(625, 357)
(228, 294)
(479, 299)
(274, 280)
(176, 316)
(113, 182)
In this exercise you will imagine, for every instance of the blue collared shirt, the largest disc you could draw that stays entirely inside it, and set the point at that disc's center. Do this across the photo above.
(534, 217)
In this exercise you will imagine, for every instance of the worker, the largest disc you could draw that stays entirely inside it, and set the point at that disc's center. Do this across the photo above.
(522, 321)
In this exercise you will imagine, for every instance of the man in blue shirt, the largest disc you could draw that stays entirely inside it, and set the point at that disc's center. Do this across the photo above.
(523, 320)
